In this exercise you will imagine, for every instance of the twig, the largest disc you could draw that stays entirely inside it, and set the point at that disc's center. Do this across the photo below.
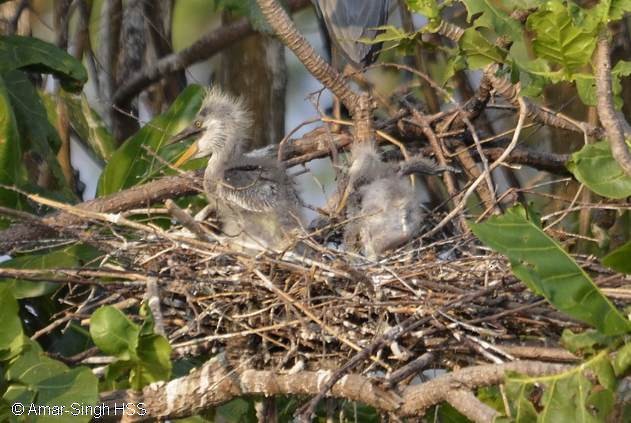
(498, 162)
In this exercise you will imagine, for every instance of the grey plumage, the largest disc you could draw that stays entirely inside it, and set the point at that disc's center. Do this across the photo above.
(255, 199)
(348, 21)
(383, 207)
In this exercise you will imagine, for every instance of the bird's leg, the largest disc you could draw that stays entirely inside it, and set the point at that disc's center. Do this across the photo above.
(203, 213)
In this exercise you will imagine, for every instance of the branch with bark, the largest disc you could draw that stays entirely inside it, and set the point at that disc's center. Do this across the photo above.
(207, 46)
(315, 144)
(612, 121)
(217, 382)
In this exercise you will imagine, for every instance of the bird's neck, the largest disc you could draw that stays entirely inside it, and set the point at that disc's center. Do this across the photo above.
(219, 161)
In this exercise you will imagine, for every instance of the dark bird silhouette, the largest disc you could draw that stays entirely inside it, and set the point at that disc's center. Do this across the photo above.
(348, 21)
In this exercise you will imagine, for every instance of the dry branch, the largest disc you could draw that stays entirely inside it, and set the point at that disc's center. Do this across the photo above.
(216, 382)
(321, 70)
(207, 46)
(606, 109)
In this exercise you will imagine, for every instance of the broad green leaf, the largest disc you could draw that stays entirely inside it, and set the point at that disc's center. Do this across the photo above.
(478, 50)
(520, 394)
(114, 333)
(548, 270)
(154, 364)
(49, 382)
(73, 389)
(571, 396)
(618, 8)
(131, 164)
(32, 54)
(495, 16)
(619, 259)
(558, 40)
(595, 167)
(11, 169)
(11, 323)
(39, 137)
(610, 10)
(89, 126)
(586, 84)
(69, 257)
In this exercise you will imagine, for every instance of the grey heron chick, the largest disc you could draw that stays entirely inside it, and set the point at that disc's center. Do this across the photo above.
(348, 21)
(255, 199)
(383, 206)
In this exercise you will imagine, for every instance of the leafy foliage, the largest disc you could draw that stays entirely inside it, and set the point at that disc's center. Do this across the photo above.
(595, 166)
(569, 396)
(543, 265)
(35, 55)
(142, 354)
(134, 162)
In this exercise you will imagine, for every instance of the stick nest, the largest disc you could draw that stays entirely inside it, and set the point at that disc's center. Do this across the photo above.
(448, 296)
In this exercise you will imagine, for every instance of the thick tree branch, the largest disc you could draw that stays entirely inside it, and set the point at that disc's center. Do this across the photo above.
(207, 46)
(216, 383)
(606, 109)
(320, 69)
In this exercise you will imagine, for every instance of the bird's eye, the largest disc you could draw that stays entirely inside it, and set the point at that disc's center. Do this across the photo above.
(198, 124)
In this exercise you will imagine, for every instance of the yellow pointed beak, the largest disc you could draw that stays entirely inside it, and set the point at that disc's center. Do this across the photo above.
(190, 152)
(344, 199)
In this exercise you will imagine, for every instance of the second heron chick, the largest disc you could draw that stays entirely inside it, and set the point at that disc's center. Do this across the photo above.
(255, 199)
(383, 207)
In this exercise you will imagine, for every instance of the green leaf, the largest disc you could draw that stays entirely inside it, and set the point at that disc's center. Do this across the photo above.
(494, 16)
(567, 397)
(47, 382)
(543, 265)
(131, 164)
(586, 84)
(114, 333)
(618, 9)
(11, 169)
(154, 363)
(618, 259)
(70, 257)
(39, 137)
(32, 54)
(595, 167)
(584, 342)
(479, 51)
(11, 323)
(622, 359)
(558, 40)
(89, 126)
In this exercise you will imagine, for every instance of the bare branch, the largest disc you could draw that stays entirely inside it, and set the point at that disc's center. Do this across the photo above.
(216, 383)
(606, 110)
(207, 46)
